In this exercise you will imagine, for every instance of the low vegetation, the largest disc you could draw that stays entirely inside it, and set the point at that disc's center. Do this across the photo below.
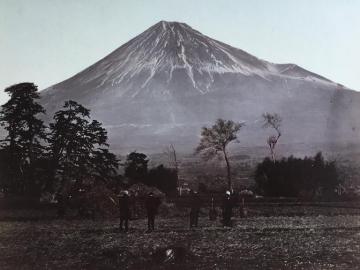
(254, 243)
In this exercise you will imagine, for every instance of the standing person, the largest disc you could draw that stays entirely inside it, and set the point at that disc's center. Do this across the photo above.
(151, 204)
(195, 204)
(124, 207)
(228, 204)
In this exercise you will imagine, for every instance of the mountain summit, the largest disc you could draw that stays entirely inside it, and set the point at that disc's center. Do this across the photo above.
(172, 51)
(167, 82)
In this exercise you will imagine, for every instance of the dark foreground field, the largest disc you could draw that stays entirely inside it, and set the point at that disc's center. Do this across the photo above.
(307, 242)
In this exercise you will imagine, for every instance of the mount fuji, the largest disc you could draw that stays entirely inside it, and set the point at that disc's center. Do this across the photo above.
(166, 83)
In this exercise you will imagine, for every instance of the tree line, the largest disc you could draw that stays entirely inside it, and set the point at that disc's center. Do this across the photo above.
(308, 177)
(73, 151)
(137, 171)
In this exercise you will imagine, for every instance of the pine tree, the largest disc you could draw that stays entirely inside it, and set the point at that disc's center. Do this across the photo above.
(20, 118)
(78, 148)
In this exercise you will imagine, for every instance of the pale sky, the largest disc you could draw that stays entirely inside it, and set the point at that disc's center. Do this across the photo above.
(48, 41)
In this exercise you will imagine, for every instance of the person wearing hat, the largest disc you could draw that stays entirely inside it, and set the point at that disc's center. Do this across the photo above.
(124, 208)
(228, 204)
(152, 204)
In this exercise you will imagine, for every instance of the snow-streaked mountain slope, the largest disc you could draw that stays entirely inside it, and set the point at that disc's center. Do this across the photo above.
(167, 82)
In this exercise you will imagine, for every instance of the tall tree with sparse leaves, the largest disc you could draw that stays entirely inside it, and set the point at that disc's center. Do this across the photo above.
(214, 140)
(78, 148)
(272, 121)
(22, 145)
(173, 162)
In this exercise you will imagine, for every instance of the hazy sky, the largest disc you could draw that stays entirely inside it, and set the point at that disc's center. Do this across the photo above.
(47, 41)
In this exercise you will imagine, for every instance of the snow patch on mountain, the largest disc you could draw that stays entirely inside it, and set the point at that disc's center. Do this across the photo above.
(170, 47)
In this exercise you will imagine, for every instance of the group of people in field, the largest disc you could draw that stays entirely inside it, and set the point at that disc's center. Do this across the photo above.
(152, 204)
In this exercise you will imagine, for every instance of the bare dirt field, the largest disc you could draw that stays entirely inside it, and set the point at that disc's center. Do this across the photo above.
(284, 242)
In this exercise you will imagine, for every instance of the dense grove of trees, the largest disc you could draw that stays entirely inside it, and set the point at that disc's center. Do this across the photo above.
(136, 169)
(309, 177)
(165, 179)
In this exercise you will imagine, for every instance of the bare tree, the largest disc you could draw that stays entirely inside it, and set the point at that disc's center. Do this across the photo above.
(215, 139)
(272, 121)
(173, 161)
